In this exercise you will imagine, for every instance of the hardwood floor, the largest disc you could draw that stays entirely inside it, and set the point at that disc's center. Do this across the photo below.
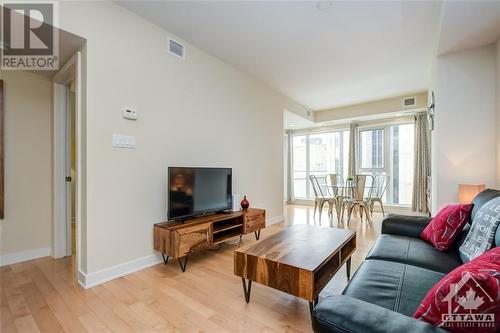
(42, 295)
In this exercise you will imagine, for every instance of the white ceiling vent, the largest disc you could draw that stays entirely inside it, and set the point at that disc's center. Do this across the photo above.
(176, 48)
(410, 101)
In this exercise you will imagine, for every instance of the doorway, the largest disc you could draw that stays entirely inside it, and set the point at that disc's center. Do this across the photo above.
(67, 162)
(71, 162)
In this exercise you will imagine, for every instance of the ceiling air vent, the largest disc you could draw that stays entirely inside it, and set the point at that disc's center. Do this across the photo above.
(410, 101)
(176, 48)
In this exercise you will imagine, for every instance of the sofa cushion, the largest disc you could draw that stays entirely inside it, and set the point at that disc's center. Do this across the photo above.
(483, 198)
(481, 236)
(497, 237)
(446, 226)
(392, 285)
(339, 313)
(415, 252)
(404, 225)
(478, 202)
(470, 289)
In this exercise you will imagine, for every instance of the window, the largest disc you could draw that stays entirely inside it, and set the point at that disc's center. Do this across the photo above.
(402, 142)
(318, 154)
(388, 149)
(321, 159)
(285, 167)
(371, 149)
(342, 153)
(300, 166)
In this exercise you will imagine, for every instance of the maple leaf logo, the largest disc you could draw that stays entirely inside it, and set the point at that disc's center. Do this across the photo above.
(470, 301)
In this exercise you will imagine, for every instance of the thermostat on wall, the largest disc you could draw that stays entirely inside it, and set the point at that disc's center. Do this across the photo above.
(130, 114)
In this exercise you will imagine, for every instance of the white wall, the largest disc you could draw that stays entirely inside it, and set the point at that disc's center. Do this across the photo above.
(464, 140)
(26, 231)
(197, 112)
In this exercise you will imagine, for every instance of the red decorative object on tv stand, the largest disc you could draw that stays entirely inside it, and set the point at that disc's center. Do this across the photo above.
(244, 203)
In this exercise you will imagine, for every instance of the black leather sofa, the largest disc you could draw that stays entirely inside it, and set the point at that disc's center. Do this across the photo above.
(392, 281)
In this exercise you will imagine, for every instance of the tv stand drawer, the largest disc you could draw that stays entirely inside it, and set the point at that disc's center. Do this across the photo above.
(254, 222)
(195, 240)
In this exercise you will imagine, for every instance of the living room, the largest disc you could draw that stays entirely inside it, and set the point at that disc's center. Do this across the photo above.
(92, 147)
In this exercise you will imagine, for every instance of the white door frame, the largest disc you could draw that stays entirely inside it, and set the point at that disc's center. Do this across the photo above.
(61, 244)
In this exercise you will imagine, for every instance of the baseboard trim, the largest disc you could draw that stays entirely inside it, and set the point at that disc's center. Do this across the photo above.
(80, 278)
(89, 280)
(17, 257)
(275, 219)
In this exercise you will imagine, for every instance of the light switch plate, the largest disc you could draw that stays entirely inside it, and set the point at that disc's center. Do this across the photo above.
(124, 141)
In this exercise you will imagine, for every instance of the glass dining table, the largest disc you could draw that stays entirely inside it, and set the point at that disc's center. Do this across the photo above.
(346, 189)
(344, 192)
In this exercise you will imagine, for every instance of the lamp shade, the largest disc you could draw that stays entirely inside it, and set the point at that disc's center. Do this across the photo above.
(467, 192)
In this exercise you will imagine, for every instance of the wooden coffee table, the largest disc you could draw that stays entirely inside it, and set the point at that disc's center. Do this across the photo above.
(299, 260)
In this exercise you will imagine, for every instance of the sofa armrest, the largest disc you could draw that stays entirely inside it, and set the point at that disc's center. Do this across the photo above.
(404, 225)
(346, 314)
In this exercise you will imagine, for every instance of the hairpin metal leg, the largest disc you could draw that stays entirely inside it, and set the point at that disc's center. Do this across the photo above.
(257, 234)
(183, 266)
(312, 305)
(246, 290)
(165, 258)
(348, 268)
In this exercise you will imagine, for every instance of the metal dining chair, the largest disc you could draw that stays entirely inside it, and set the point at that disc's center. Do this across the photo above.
(360, 197)
(379, 187)
(321, 196)
(336, 182)
(337, 186)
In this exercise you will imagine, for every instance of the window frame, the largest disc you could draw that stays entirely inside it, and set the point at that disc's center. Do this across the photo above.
(388, 155)
(293, 171)
(392, 178)
(384, 146)
(309, 192)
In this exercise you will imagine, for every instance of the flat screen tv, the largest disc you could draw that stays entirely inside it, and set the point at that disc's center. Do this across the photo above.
(197, 191)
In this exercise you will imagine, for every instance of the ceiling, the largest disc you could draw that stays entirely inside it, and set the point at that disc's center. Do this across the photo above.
(468, 24)
(321, 54)
(292, 120)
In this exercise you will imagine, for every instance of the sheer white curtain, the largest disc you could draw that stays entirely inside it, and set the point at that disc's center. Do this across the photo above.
(289, 188)
(353, 149)
(422, 164)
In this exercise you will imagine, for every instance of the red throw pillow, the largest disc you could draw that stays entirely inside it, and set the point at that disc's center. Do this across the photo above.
(468, 298)
(446, 226)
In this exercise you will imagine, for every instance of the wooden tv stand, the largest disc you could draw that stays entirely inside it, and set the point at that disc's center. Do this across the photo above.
(179, 239)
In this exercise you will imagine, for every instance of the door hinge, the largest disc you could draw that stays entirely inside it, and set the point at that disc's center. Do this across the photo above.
(68, 179)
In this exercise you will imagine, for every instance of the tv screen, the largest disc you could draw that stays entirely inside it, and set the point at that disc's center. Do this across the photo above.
(195, 191)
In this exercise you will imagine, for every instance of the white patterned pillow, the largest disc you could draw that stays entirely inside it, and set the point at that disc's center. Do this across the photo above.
(482, 232)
